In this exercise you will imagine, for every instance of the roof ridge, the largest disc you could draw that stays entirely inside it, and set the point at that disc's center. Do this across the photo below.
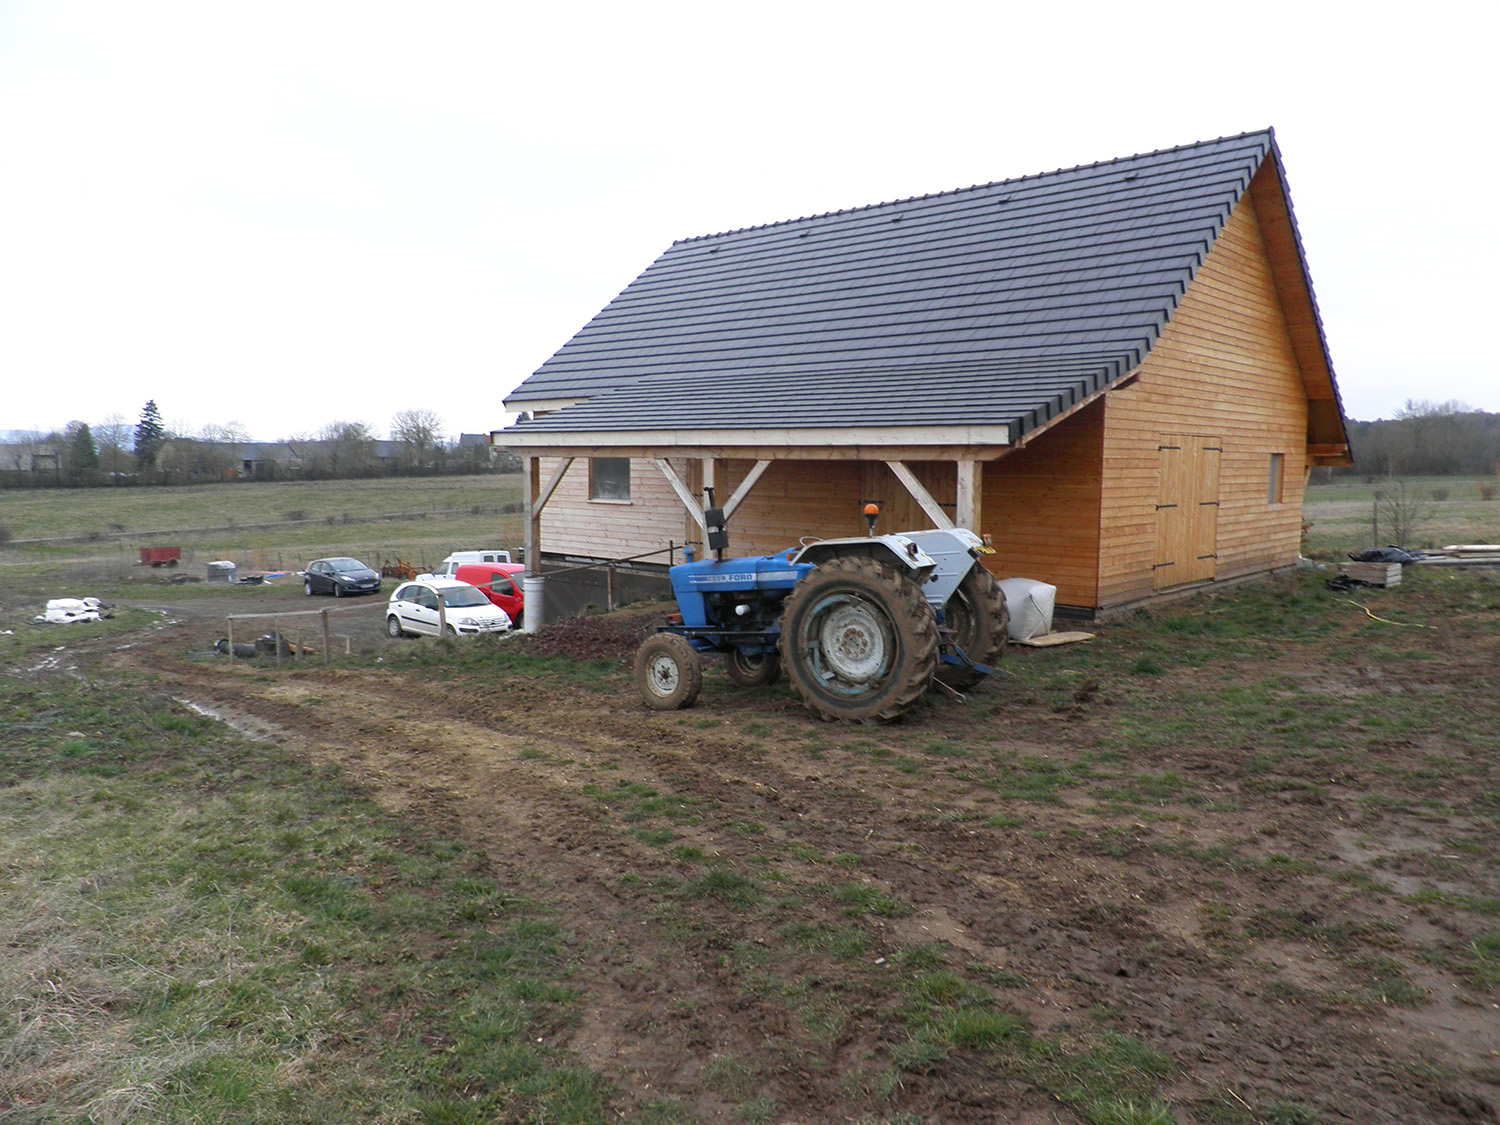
(1269, 132)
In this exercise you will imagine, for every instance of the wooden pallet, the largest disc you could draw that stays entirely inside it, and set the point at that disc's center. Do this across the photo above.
(1372, 573)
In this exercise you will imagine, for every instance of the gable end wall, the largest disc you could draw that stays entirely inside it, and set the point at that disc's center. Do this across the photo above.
(1224, 368)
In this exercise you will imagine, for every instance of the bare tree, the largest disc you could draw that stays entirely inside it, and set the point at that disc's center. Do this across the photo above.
(345, 449)
(114, 436)
(1399, 514)
(417, 431)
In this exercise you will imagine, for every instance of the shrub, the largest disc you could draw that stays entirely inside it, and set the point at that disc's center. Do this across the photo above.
(1440, 494)
(1488, 491)
(294, 514)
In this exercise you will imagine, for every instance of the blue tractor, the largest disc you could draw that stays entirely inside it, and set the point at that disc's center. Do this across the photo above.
(862, 627)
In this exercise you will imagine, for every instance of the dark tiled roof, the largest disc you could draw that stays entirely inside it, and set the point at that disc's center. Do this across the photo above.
(994, 305)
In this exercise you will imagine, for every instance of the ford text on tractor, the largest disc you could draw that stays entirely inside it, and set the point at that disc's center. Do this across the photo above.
(862, 627)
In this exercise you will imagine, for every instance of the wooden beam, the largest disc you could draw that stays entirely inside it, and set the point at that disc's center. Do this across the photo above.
(924, 498)
(969, 506)
(678, 487)
(745, 486)
(556, 479)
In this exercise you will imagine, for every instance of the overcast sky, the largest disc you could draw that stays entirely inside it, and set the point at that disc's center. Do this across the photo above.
(288, 214)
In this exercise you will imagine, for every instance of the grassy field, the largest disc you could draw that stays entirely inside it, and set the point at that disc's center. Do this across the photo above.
(1445, 509)
(263, 525)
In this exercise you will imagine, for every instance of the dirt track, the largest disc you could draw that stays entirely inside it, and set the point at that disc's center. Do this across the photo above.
(1096, 915)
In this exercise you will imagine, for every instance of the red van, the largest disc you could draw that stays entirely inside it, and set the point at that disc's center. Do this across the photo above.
(500, 581)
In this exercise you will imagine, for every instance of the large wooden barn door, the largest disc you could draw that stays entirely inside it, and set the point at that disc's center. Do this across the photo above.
(1187, 509)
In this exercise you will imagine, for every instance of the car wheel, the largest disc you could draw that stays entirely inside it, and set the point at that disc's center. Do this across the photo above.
(393, 627)
(307, 585)
(453, 630)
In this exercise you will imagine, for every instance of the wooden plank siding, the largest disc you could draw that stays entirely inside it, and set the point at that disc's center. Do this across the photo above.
(794, 499)
(572, 524)
(1042, 508)
(1225, 366)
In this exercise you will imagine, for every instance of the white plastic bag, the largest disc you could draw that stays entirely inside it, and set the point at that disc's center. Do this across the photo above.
(1030, 604)
(67, 611)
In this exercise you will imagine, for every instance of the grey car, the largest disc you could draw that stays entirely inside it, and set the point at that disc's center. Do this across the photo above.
(340, 577)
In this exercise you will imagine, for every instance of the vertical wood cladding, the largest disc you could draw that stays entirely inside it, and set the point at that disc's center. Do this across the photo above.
(1225, 366)
(1041, 508)
(572, 524)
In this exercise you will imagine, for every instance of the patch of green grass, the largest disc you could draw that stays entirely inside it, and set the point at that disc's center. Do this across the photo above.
(1385, 981)
(859, 899)
(1483, 961)
(726, 886)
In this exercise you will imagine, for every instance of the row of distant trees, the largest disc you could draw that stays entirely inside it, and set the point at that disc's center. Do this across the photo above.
(1428, 439)
(150, 452)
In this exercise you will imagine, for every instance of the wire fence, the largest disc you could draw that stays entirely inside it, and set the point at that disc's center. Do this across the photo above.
(290, 645)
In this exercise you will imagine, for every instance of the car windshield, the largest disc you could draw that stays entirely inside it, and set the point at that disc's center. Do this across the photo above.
(343, 566)
(465, 598)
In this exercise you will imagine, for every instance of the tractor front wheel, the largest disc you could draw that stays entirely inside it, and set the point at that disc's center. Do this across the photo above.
(858, 641)
(753, 670)
(668, 672)
(977, 618)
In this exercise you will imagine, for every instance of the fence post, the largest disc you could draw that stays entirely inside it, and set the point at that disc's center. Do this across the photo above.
(609, 589)
(442, 613)
(327, 652)
(276, 640)
(231, 641)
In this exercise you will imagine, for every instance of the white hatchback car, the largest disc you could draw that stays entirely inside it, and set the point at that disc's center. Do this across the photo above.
(465, 610)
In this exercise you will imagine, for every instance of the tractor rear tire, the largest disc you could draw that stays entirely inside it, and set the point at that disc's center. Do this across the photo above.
(858, 641)
(752, 671)
(978, 619)
(668, 672)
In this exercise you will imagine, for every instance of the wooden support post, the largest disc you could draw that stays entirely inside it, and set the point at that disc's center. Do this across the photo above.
(923, 498)
(442, 613)
(276, 640)
(231, 642)
(327, 648)
(531, 486)
(609, 579)
(970, 506)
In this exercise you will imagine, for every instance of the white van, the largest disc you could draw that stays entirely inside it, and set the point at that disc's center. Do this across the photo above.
(449, 566)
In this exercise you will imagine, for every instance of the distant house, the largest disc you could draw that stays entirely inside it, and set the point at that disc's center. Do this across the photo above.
(36, 461)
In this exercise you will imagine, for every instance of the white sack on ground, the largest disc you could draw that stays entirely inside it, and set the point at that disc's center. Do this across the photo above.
(1030, 605)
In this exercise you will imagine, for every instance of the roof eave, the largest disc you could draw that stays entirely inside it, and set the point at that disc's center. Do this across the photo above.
(921, 442)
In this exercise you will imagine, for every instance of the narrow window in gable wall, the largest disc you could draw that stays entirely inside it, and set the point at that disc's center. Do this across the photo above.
(1277, 476)
(609, 478)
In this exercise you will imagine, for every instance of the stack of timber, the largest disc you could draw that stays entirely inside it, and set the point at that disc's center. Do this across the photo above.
(1372, 573)
(1465, 554)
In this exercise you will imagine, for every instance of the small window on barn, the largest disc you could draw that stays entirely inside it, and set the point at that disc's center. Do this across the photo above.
(1277, 476)
(609, 478)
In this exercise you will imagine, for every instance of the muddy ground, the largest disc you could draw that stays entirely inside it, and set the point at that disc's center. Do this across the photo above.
(1240, 973)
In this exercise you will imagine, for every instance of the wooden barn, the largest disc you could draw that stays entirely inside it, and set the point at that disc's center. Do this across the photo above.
(1116, 371)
